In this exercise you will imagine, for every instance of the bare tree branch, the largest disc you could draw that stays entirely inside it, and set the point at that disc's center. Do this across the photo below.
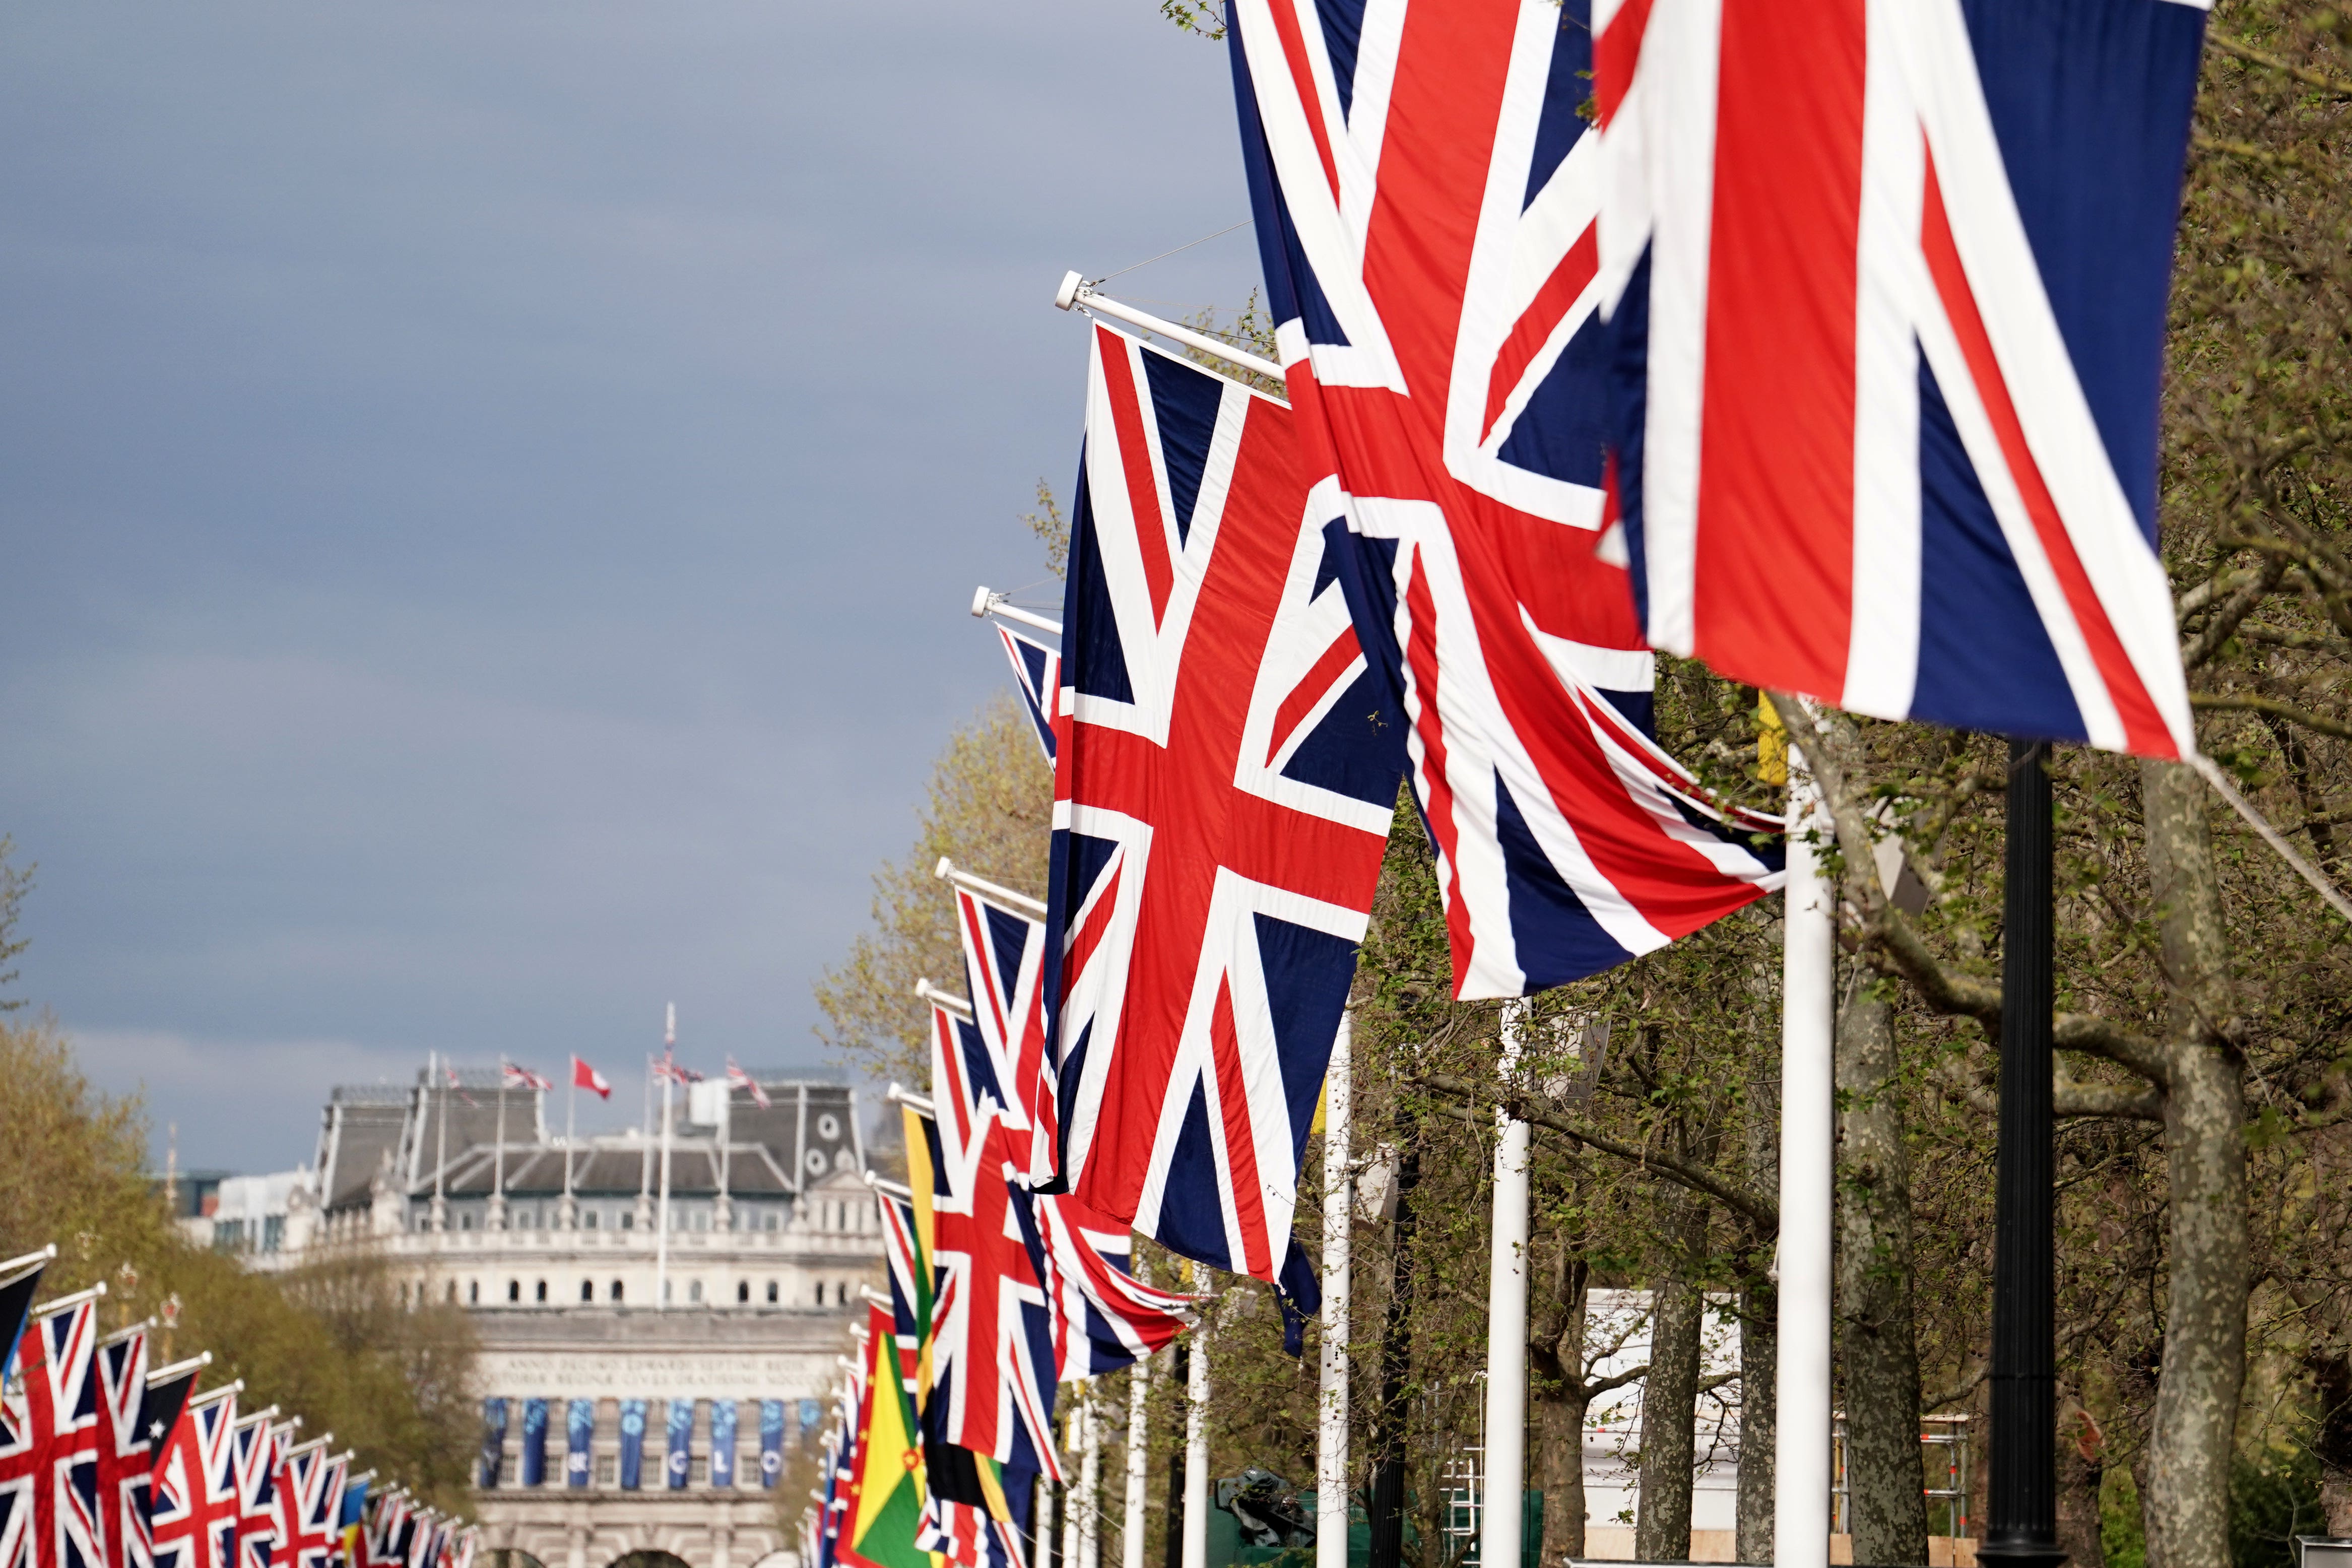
(1759, 1212)
(2275, 709)
(2253, 56)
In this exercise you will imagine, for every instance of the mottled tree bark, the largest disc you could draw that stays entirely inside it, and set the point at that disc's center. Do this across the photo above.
(1888, 1516)
(1759, 1337)
(1662, 1521)
(2186, 1508)
(1760, 1371)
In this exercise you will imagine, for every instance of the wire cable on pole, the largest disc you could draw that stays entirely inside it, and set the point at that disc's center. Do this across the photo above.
(1166, 254)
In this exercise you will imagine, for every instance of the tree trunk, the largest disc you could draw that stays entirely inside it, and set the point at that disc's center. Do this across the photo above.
(1662, 1521)
(1385, 1512)
(1561, 1401)
(1887, 1515)
(2331, 1383)
(2186, 1508)
(1760, 1336)
(2082, 1465)
(1759, 1374)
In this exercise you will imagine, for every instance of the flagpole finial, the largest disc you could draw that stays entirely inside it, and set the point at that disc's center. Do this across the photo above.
(980, 602)
(1067, 294)
(669, 1026)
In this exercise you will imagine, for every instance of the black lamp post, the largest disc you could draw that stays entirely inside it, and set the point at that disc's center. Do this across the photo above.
(2022, 1492)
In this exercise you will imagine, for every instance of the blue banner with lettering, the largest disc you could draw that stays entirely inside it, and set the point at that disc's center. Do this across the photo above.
(632, 1443)
(580, 1439)
(771, 1442)
(722, 1442)
(534, 1442)
(681, 1442)
(494, 1441)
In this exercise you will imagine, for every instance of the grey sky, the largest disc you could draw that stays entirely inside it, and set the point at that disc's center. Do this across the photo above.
(489, 492)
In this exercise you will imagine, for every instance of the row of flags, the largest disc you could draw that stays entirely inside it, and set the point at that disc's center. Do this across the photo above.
(1000, 1291)
(1596, 341)
(635, 1420)
(106, 1462)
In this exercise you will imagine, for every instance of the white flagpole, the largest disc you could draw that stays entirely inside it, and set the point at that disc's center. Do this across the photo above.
(1339, 1203)
(499, 1157)
(1800, 1457)
(1504, 1467)
(1090, 1483)
(1074, 1497)
(1196, 1450)
(434, 1071)
(570, 1126)
(661, 1225)
(1139, 1453)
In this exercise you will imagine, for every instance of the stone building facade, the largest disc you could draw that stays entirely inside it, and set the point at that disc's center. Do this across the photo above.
(602, 1292)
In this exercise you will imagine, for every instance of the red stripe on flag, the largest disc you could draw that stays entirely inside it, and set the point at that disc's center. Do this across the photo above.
(1437, 805)
(1615, 53)
(1343, 652)
(1772, 599)
(1302, 77)
(1135, 461)
(1552, 301)
(1241, 1145)
(2145, 731)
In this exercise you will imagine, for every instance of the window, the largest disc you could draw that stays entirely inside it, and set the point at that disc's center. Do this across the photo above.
(742, 1290)
(466, 1220)
(608, 1470)
(527, 1219)
(616, 1289)
(453, 1290)
(514, 1290)
(541, 1296)
(820, 1292)
(587, 1219)
(699, 1220)
(628, 1220)
(773, 1219)
(701, 1471)
(771, 1291)
(473, 1292)
(587, 1289)
(694, 1291)
(827, 1128)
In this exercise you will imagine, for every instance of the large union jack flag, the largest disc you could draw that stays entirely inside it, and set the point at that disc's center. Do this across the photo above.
(1426, 191)
(1891, 346)
(1223, 788)
(56, 1458)
(194, 1524)
(124, 1467)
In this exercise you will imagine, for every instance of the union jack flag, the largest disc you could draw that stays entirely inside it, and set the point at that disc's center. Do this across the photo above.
(1037, 675)
(1105, 1317)
(58, 1456)
(125, 1460)
(19, 1473)
(1005, 965)
(521, 1078)
(992, 1339)
(737, 1079)
(305, 1514)
(1426, 191)
(977, 1512)
(255, 1456)
(1893, 347)
(195, 1520)
(1224, 789)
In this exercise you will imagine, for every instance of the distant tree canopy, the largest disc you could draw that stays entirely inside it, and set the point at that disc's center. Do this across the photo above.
(328, 1341)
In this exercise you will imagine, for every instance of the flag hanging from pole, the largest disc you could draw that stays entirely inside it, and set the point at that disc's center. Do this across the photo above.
(1004, 968)
(521, 1078)
(1224, 789)
(737, 1079)
(1037, 675)
(1424, 189)
(194, 1521)
(58, 1359)
(125, 1458)
(1891, 349)
(588, 1078)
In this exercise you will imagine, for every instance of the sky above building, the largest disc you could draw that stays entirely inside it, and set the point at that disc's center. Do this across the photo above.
(491, 494)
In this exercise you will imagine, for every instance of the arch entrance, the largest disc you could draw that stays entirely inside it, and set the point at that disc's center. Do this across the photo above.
(649, 1560)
